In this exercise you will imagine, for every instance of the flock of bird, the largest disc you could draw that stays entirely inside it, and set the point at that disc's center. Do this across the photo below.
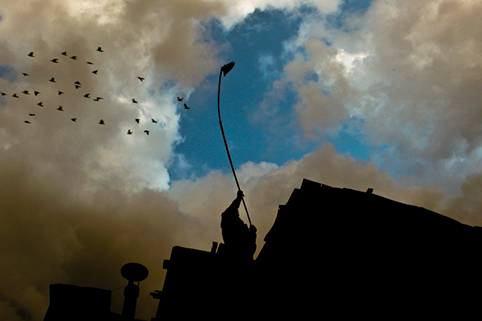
(77, 84)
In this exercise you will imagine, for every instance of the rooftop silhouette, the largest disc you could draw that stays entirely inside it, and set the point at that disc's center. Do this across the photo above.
(330, 250)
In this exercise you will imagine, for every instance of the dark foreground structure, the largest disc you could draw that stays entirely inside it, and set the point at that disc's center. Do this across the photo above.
(330, 251)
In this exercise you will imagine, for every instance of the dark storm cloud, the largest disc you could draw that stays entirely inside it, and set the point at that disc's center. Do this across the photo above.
(55, 229)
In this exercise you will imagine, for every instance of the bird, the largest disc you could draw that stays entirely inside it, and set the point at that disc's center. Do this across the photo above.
(30, 54)
(186, 107)
(36, 92)
(90, 63)
(98, 98)
(100, 49)
(31, 114)
(26, 121)
(52, 79)
(129, 132)
(134, 101)
(147, 132)
(87, 95)
(73, 57)
(25, 92)
(77, 86)
(55, 60)
(15, 95)
(137, 120)
(25, 74)
(4, 94)
(78, 83)
(60, 92)
(41, 104)
(95, 72)
(64, 53)
(60, 108)
(141, 78)
(180, 99)
(73, 119)
(101, 122)
(154, 121)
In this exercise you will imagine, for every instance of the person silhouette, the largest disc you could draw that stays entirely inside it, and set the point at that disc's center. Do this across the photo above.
(239, 239)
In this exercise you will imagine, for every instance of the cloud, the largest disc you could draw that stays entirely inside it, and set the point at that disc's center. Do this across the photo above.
(239, 9)
(427, 55)
(162, 42)
(409, 71)
(55, 232)
(322, 90)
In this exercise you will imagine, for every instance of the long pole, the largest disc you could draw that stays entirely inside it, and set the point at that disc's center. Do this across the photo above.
(226, 145)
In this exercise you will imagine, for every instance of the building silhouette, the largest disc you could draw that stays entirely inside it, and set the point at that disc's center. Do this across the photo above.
(330, 251)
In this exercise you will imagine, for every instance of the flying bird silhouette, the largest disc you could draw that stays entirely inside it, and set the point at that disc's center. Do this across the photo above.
(30, 54)
(26, 121)
(36, 92)
(101, 122)
(134, 101)
(64, 53)
(73, 57)
(98, 98)
(95, 72)
(77, 83)
(137, 120)
(186, 107)
(52, 79)
(60, 108)
(55, 60)
(141, 78)
(147, 132)
(15, 95)
(100, 49)
(73, 119)
(154, 121)
(180, 99)
(25, 74)
(4, 94)
(60, 92)
(90, 63)
(41, 104)
(25, 92)
(87, 95)
(129, 132)
(31, 114)
(77, 86)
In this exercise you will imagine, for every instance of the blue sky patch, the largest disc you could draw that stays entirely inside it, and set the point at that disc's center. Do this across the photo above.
(7, 72)
(258, 127)
(257, 45)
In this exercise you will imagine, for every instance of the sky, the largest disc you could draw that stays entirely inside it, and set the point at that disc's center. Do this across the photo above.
(359, 94)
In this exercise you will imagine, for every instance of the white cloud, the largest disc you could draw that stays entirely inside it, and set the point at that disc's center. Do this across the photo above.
(350, 60)
(237, 10)
(409, 70)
